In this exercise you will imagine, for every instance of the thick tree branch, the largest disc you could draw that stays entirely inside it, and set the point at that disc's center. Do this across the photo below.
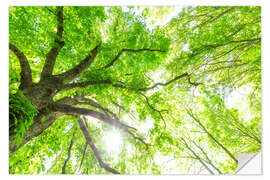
(58, 44)
(26, 74)
(108, 112)
(34, 130)
(129, 50)
(89, 83)
(84, 84)
(80, 68)
(87, 101)
(94, 149)
(69, 151)
(67, 109)
(77, 100)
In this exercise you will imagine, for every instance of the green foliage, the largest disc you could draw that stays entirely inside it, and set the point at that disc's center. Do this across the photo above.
(219, 47)
(22, 113)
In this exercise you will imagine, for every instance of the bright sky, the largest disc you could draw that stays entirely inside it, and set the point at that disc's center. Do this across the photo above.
(113, 140)
(238, 99)
(161, 21)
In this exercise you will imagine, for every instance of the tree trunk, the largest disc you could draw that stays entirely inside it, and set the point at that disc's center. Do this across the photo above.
(41, 97)
(34, 130)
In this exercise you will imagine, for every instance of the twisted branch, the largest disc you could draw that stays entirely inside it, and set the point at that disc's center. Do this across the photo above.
(171, 81)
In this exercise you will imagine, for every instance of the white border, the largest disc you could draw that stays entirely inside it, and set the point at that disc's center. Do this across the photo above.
(4, 76)
(135, 2)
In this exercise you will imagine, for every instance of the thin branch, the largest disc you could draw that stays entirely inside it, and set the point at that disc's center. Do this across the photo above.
(121, 86)
(26, 74)
(154, 109)
(208, 159)
(50, 11)
(94, 149)
(214, 18)
(87, 101)
(69, 151)
(206, 47)
(211, 136)
(242, 26)
(220, 62)
(248, 131)
(53, 53)
(129, 50)
(232, 42)
(226, 67)
(171, 81)
(80, 68)
(124, 109)
(84, 151)
(196, 155)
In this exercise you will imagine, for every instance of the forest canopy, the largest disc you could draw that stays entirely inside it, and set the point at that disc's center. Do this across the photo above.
(133, 90)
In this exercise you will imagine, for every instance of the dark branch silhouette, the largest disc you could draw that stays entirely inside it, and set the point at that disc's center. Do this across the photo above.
(84, 84)
(171, 81)
(84, 151)
(67, 109)
(154, 109)
(122, 86)
(26, 74)
(69, 153)
(94, 149)
(58, 44)
(80, 68)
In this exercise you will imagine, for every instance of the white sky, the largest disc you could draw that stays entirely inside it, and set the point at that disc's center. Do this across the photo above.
(238, 99)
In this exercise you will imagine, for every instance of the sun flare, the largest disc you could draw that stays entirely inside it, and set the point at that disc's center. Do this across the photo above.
(113, 140)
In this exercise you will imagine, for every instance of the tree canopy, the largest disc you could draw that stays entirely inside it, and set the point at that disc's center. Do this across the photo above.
(125, 90)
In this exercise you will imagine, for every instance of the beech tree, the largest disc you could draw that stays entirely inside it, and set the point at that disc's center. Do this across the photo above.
(165, 94)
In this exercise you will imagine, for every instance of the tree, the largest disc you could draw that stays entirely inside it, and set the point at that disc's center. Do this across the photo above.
(165, 89)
